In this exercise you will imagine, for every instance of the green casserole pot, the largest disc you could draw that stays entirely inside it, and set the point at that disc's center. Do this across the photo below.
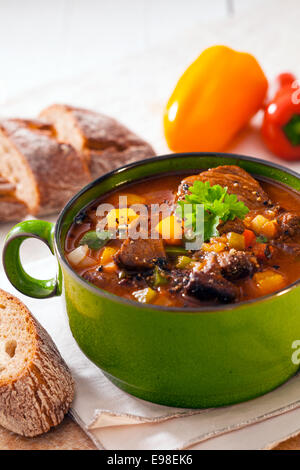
(193, 357)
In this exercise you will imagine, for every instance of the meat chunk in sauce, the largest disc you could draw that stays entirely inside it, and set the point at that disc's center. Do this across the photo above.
(237, 181)
(235, 225)
(211, 286)
(249, 191)
(222, 270)
(289, 224)
(140, 253)
(237, 264)
(214, 280)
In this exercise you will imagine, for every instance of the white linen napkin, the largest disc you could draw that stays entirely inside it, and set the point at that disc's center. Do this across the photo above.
(116, 420)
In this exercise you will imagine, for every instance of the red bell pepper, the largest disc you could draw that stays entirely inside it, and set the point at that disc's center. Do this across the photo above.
(281, 125)
(249, 238)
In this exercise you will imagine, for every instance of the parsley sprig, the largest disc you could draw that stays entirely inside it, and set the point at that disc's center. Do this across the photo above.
(218, 206)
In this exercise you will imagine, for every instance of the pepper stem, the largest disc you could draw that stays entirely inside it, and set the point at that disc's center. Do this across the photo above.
(292, 130)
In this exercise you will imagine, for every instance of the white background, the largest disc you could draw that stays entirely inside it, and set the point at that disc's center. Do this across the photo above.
(42, 41)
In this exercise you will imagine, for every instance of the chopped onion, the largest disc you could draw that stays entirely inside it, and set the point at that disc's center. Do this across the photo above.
(78, 255)
(87, 262)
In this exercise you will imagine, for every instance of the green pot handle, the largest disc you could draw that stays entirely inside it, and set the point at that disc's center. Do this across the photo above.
(40, 289)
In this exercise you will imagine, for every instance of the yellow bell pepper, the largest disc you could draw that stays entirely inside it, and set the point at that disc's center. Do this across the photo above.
(213, 100)
(122, 216)
(170, 230)
(145, 296)
(107, 254)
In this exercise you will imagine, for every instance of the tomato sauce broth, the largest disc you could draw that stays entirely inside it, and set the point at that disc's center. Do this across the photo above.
(163, 189)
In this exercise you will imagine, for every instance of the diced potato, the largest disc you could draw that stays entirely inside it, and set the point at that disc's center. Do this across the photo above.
(264, 226)
(248, 221)
(117, 217)
(258, 222)
(236, 240)
(107, 255)
(145, 296)
(183, 262)
(170, 229)
(78, 255)
(269, 281)
(213, 247)
(269, 229)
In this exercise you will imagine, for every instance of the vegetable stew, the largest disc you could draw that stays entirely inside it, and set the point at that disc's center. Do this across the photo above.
(250, 245)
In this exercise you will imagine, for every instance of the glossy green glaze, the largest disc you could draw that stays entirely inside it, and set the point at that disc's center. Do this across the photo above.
(185, 358)
(26, 284)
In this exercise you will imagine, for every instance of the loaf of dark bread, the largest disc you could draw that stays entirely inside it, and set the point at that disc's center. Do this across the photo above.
(36, 386)
(11, 208)
(45, 172)
(105, 143)
(47, 161)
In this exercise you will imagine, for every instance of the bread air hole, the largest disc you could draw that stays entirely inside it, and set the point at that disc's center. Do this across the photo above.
(10, 347)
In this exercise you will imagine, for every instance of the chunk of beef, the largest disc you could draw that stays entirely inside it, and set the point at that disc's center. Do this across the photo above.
(211, 286)
(213, 281)
(289, 224)
(237, 181)
(178, 279)
(237, 264)
(235, 225)
(140, 253)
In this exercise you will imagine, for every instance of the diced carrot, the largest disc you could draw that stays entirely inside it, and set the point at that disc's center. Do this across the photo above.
(263, 251)
(249, 238)
(170, 230)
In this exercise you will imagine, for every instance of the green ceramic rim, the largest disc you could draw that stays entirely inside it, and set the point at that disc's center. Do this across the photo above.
(269, 170)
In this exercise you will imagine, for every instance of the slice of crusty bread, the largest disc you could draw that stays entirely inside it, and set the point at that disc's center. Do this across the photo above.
(46, 173)
(11, 208)
(105, 142)
(36, 387)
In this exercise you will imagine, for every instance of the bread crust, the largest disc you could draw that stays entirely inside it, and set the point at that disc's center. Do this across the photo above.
(40, 395)
(11, 208)
(57, 158)
(105, 142)
(56, 169)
